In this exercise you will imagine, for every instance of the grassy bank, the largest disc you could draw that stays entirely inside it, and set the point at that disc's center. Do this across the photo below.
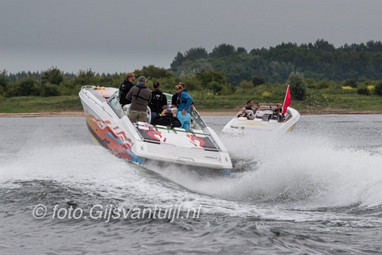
(40, 104)
(204, 102)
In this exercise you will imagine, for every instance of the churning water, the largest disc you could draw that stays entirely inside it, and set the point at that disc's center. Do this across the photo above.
(317, 190)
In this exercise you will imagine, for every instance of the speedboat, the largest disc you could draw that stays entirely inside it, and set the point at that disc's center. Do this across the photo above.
(140, 142)
(259, 122)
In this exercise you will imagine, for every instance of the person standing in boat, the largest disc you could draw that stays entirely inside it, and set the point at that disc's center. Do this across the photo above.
(158, 101)
(174, 99)
(184, 103)
(125, 88)
(140, 97)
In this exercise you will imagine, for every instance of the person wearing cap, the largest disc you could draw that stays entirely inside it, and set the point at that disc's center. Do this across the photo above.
(140, 97)
(125, 88)
(184, 103)
(175, 97)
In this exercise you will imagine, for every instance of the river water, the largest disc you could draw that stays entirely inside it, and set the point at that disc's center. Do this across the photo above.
(317, 190)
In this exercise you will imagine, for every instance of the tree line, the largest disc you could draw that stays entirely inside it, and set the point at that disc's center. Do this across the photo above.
(230, 71)
(54, 82)
(319, 60)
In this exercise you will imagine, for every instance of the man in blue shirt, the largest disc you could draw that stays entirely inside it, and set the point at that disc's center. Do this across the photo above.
(184, 106)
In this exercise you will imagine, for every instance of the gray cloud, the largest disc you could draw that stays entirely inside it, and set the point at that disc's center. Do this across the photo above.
(117, 36)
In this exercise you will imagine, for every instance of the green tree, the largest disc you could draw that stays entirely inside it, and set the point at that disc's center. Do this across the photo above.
(258, 80)
(241, 50)
(154, 72)
(177, 62)
(85, 77)
(245, 85)
(51, 90)
(53, 76)
(223, 50)
(191, 82)
(216, 87)
(4, 81)
(298, 86)
(24, 87)
(324, 84)
(321, 44)
(208, 76)
(196, 53)
(351, 82)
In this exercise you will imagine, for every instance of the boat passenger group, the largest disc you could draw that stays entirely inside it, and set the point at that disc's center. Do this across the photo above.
(140, 97)
(251, 113)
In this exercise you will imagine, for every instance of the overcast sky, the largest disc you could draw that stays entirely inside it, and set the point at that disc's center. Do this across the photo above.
(119, 36)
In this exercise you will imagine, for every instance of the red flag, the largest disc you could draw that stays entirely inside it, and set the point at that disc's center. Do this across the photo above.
(286, 101)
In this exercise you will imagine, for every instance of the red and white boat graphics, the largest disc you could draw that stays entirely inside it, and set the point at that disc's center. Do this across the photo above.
(137, 142)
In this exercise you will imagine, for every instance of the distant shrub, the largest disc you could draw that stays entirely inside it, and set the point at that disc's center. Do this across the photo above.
(258, 80)
(245, 85)
(215, 86)
(363, 91)
(266, 94)
(351, 82)
(53, 76)
(297, 86)
(323, 84)
(85, 78)
(2, 92)
(24, 87)
(51, 90)
(311, 83)
(378, 89)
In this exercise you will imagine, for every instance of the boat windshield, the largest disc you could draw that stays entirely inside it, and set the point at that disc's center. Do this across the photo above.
(199, 122)
(115, 105)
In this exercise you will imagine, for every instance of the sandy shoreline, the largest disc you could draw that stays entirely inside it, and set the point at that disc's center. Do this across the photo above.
(203, 113)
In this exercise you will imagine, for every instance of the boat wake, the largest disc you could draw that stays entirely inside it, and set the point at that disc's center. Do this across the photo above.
(306, 192)
(277, 180)
(296, 172)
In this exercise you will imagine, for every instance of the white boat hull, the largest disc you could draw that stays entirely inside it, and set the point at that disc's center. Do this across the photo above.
(243, 125)
(138, 142)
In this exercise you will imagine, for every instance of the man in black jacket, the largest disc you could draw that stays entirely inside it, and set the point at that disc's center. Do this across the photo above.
(125, 88)
(158, 101)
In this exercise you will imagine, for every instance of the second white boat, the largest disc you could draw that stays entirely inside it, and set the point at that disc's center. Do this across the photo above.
(262, 123)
